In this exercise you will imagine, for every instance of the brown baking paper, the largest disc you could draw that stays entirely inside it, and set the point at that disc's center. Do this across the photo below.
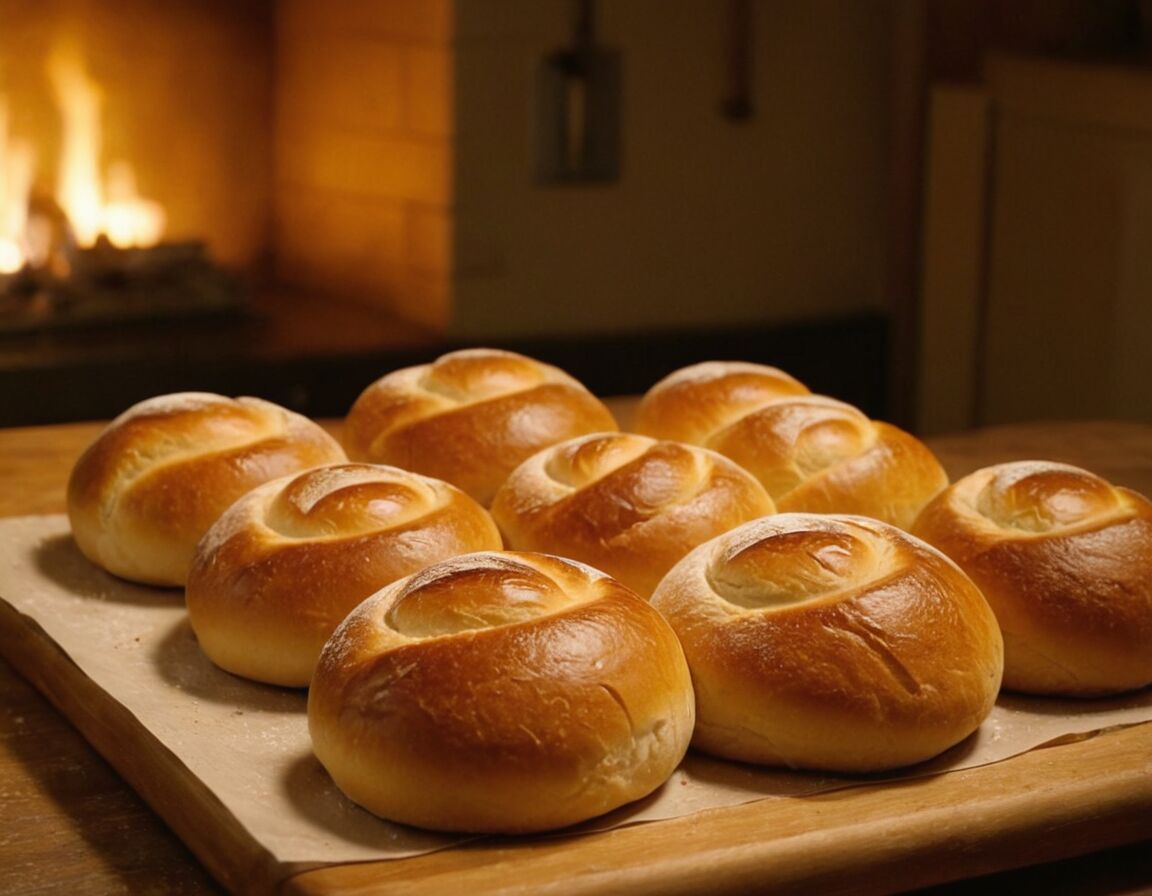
(248, 743)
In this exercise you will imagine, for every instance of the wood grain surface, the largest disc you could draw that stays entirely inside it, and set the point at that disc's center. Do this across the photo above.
(1046, 804)
(70, 822)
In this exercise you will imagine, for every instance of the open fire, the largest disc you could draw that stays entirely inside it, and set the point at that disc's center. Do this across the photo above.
(90, 248)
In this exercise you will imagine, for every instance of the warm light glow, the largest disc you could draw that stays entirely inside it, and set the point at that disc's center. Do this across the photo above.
(78, 183)
(17, 165)
(130, 221)
(11, 256)
(93, 205)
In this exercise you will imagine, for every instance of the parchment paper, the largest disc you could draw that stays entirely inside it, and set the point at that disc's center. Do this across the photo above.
(249, 742)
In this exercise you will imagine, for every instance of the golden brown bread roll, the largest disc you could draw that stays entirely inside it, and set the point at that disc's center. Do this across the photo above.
(1065, 560)
(501, 692)
(826, 642)
(627, 504)
(283, 566)
(470, 417)
(819, 455)
(812, 453)
(145, 491)
(692, 403)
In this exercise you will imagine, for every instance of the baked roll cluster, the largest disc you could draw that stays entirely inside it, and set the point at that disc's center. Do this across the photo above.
(831, 642)
(283, 566)
(502, 692)
(148, 488)
(811, 452)
(1065, 560)
(466, 591)
(470, 417)
(627, 504)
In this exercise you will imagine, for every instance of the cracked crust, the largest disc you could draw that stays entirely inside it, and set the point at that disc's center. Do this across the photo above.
(1065, 560)
(837, 643)
(501, 692)
(470, 417)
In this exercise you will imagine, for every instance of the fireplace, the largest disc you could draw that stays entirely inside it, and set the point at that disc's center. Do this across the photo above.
(344, 186)
(126, 189)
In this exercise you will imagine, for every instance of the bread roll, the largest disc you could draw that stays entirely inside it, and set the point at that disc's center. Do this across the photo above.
(812, 453)
(832, 643)
(1065, 560)
(692, 403)
(145, 491)
(276, 574)
(470, 417)
(501, 692)
(624, 503)
(818, 455)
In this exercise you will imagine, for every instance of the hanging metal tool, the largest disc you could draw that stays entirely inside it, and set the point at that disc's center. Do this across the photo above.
(737, 102)
(579, 107)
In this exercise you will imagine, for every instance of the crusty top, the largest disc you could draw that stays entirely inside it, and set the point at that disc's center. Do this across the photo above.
(283, 566)
(160, 473)
(820, 455)
(811, 452)
(831, 641)
(694, 402)
(501, 691)
(624, 503)
(1065, 559)
(470, 417)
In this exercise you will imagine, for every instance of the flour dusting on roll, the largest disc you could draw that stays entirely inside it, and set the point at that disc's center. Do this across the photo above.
(470, 417)
(835, 643)
(501, 692)
(627, 504)
(1065, 559)
(276, 574)
(147, 489)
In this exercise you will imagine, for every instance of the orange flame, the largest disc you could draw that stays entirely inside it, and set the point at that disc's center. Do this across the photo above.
(94, 206)
(78, 180)
(17, 166)
(113, 208)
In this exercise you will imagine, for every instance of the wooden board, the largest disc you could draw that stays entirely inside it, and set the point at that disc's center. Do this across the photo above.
(1052, 802)
(1055, 802)
(189, 807)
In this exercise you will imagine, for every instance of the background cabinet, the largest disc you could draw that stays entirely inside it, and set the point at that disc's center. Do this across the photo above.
(1037, 246)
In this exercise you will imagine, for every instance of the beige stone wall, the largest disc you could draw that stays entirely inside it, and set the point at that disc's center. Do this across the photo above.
(364, 152)
(779, 217)
(406, 143)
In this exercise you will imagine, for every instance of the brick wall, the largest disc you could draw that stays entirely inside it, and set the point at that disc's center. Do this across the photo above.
(363, 152)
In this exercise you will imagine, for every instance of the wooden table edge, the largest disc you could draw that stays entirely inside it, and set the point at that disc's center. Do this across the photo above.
(1050, 803)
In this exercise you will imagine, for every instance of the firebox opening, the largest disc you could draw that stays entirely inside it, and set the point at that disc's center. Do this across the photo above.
(123, 197)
